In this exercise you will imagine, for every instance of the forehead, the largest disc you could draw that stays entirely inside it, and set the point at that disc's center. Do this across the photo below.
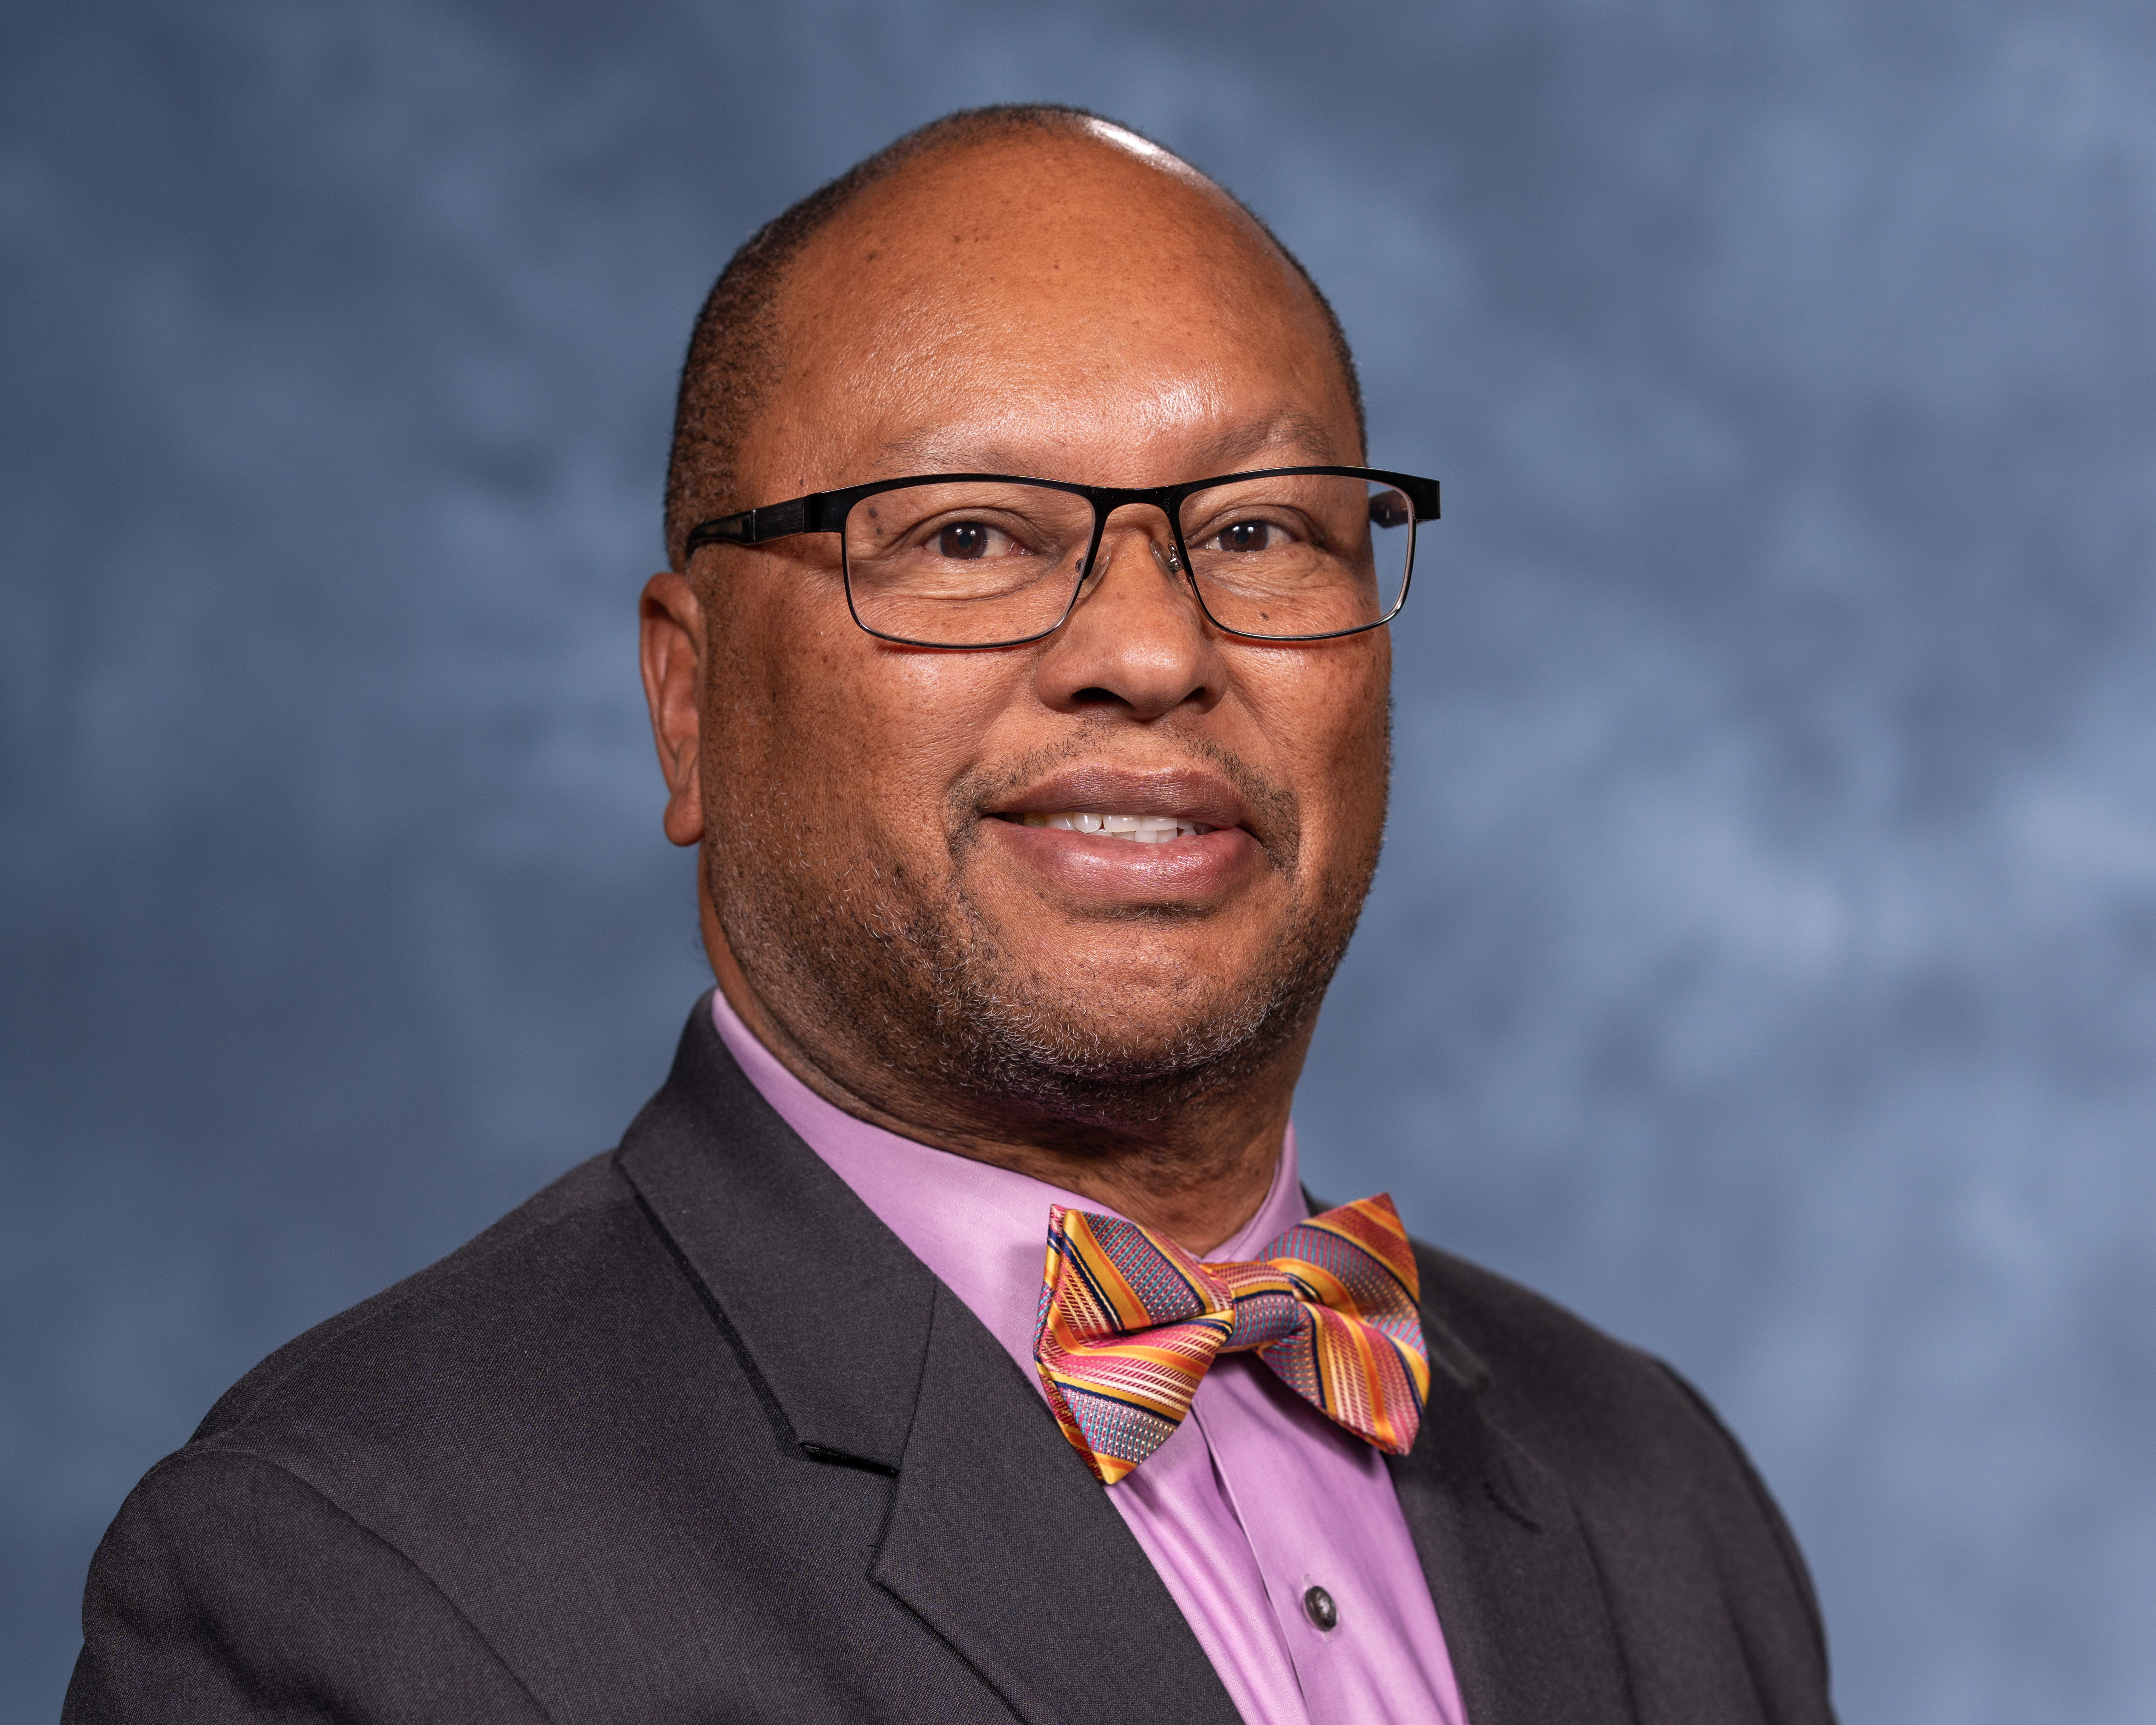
(1027, 290)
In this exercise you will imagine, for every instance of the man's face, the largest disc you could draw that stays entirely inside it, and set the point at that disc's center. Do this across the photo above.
(1070, 311)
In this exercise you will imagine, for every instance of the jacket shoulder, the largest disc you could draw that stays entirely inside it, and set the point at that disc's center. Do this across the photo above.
(590, 1202)
(226, 1589)
(1544, 1368)
(1571, 1392)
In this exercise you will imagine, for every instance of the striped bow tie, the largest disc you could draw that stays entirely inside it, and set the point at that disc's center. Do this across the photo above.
(1130, 1321)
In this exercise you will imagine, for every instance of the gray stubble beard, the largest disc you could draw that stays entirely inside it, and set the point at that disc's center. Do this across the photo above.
(937, 1007)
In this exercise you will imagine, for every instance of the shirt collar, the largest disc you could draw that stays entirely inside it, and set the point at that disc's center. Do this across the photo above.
(981, 1229)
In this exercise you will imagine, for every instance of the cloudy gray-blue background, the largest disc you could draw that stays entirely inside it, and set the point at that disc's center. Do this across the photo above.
(1764, 956)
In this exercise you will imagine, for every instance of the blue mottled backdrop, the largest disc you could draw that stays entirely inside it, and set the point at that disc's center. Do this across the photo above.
(1764, 955)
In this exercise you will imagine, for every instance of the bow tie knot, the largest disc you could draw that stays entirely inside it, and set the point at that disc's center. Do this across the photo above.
(1130, 1322)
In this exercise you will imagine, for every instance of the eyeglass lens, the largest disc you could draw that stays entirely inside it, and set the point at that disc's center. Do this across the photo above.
(961, 563)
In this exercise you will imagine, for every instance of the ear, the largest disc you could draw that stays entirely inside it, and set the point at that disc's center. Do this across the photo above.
(671, 652)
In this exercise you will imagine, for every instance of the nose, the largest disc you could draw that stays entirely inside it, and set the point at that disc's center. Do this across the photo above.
(1136, 640)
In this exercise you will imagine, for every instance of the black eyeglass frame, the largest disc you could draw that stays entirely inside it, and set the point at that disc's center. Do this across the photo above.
(826, 513)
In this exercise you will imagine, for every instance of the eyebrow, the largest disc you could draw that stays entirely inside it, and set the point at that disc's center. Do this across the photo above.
(1304, 434)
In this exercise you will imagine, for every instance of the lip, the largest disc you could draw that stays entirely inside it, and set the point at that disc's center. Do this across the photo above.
(1194, 873)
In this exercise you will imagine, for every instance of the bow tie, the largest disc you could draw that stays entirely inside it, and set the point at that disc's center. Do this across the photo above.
(1130, 1321)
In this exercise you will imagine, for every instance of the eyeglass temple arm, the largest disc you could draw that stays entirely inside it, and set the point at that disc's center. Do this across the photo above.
(1421, 495)
(818, 512)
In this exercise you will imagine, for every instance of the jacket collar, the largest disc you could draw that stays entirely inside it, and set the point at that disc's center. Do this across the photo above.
(1526, 1617)
(997, 1537)
(1527, 1623)
(786, 1255)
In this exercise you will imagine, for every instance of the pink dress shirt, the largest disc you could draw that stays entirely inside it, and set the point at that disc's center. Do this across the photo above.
(1256, 1499)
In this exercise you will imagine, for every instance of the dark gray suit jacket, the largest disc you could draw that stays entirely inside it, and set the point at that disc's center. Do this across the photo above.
(692, 1437)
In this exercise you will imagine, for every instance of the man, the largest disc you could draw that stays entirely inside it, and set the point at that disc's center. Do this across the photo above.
(1033, 820)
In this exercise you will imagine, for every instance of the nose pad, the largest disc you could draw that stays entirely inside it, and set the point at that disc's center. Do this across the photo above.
(1161, 543)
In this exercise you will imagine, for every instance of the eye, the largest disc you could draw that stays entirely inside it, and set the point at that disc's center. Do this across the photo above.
(1248, 536)
(963, 541)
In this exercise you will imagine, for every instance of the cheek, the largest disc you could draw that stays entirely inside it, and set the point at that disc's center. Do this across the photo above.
(928, 718)
(859, 744)
(1328, 714)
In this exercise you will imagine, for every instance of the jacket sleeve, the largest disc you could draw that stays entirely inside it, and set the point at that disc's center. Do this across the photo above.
(228, 1589)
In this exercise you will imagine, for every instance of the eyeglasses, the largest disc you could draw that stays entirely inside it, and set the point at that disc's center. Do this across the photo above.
(991, 560)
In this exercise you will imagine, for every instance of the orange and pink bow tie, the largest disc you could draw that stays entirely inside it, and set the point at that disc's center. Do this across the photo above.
(1130, 1321)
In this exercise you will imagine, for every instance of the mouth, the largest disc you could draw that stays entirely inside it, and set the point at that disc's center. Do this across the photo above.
(1137, 829)
(1106, 836)
(1155, 808)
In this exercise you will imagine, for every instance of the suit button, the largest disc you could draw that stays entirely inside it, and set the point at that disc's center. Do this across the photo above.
(1318, 1607)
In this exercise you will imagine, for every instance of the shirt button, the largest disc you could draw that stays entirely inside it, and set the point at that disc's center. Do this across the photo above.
(1318, 1607)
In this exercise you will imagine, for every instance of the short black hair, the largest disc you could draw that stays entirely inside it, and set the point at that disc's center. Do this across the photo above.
(733, 350)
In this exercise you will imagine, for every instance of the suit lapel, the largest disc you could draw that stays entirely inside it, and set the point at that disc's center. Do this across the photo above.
(1002, 1542)
(827, 1309)
(1517, 1589)
(998, 1538)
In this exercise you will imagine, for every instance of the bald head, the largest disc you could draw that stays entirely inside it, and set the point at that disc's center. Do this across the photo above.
(1040, 189)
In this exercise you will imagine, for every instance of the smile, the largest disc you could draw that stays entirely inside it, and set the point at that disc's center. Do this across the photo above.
(1139, 828)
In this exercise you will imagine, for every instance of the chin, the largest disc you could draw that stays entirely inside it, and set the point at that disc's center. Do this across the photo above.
(1117, 1037)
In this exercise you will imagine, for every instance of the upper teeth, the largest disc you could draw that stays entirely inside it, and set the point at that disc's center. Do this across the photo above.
(1145, 828)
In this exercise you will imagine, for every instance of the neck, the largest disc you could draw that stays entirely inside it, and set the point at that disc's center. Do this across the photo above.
(1194, 1167)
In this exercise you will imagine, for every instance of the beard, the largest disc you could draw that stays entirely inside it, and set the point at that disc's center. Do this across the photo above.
(938, 1020)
